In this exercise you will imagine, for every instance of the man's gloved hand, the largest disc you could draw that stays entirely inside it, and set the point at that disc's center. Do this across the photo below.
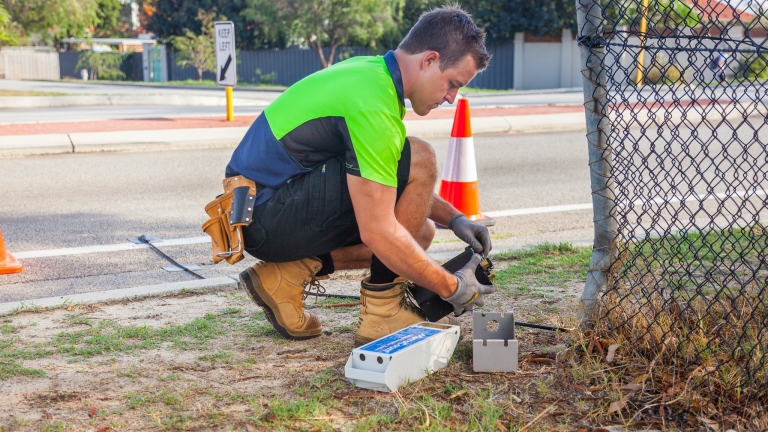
(469, 291)
(474, 234)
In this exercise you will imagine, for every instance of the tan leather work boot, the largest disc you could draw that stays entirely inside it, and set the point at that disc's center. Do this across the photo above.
(385, 312)
(279, 288)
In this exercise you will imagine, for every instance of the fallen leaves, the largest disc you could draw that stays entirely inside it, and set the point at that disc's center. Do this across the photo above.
(543, 360)
(632, 387)
(619, 405)
(92, 412)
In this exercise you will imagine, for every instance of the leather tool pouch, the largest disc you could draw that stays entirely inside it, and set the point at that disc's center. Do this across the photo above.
(228, 214)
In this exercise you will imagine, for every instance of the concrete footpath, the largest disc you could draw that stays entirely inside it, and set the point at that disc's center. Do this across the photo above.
(27, 139)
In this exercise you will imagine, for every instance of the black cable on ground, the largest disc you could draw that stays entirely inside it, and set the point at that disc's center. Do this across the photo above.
(542, 327)
(517, 323)
(144, 240)
(334, 296)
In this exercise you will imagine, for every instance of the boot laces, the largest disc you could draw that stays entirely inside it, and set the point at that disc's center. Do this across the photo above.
(314, 285)
(408, 302)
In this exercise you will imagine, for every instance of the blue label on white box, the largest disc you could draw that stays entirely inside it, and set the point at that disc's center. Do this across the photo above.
(401, 340)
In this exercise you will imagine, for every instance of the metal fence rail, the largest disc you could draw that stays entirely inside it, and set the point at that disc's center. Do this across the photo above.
(676, 110)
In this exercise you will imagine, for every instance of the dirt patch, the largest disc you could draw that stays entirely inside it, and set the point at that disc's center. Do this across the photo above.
(212, 362)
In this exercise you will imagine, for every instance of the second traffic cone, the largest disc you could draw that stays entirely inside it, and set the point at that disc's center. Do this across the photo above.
(8, 263)
(459, 185)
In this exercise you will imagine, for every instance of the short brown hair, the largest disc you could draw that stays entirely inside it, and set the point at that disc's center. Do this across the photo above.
(450, 31)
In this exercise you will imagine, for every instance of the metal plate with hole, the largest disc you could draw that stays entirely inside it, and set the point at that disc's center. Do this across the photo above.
(494, 346)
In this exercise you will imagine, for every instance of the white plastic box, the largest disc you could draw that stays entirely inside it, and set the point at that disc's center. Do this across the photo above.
(402, 357)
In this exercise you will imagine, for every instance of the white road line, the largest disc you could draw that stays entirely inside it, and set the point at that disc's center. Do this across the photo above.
(498, 213)
(673, 199)
(108, 248)
(538, 210)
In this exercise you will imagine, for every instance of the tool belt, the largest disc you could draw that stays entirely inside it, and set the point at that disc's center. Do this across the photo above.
(228, 214)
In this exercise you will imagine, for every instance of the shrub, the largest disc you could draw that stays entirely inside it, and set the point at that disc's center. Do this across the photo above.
(102, 65)
(662, 73)
(753, 67)
(262, 78)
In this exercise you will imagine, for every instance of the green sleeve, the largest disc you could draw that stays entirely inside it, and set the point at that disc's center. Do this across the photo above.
(376, 140)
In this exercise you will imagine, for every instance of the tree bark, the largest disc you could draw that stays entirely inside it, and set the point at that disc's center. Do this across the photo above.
(319, 51)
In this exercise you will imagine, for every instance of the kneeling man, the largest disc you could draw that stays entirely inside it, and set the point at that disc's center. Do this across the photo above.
(340, 186)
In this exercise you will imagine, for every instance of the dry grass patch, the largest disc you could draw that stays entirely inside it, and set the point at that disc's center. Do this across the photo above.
(212, 362)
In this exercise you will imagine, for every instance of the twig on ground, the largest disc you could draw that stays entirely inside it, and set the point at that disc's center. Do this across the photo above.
(537, 418)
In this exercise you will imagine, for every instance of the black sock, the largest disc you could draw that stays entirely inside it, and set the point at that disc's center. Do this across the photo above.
(380, 274)
(327, 264)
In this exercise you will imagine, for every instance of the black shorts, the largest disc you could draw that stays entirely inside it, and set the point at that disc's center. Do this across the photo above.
(312, 214)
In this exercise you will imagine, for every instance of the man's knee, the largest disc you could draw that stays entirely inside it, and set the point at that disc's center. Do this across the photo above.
(423, 160)
(426, 235)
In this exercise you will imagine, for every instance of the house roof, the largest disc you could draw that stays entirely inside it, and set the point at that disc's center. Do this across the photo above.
(722, 11)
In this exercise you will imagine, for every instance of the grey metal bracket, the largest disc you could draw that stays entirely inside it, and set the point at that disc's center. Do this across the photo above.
(494, 346)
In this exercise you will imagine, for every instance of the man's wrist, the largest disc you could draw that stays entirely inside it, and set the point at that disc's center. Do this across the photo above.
(453, 219)
(454, 287)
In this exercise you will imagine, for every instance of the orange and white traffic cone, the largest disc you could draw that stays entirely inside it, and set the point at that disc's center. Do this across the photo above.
(459, 185)
(8, 263)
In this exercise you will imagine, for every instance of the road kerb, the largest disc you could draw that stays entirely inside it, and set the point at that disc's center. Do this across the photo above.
(30, 145)
(32, 102)
(163, 139)
(202, 285)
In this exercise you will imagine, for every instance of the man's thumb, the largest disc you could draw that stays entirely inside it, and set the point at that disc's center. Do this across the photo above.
(474, 261)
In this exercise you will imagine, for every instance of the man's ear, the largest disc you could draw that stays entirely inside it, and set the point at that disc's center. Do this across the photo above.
(430, 58)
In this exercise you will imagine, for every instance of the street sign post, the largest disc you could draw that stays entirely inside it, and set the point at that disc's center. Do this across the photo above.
(226, 71)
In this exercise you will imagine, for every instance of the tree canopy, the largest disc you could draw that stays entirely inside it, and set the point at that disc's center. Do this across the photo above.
(48, 21)
(661, 13)
(173, 17)
(501, 19)
(7, 33)
(198, 50)
(322, 23)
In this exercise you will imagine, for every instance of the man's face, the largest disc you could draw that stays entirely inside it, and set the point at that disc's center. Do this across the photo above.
(433, 86)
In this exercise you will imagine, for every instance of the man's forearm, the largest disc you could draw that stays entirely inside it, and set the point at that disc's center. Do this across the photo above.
(401, 254)
(440, 211)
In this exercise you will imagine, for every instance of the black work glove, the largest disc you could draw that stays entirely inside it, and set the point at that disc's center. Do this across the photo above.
(469, 291)
(474, 234)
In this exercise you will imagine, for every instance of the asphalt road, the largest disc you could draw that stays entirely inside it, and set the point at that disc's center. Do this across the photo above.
(83, 200)
(79, 200)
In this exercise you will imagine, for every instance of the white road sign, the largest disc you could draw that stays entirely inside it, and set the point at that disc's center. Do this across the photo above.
(226, 75)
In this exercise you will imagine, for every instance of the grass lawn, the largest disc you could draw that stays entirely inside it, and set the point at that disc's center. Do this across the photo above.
(30, 93)
(211, 361)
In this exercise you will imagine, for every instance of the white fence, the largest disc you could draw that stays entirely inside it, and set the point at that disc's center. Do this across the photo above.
(29, 63)
(546, 63)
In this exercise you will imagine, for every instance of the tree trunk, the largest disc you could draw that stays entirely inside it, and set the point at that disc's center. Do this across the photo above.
(318, 47)
(200, 74)
(332, 53)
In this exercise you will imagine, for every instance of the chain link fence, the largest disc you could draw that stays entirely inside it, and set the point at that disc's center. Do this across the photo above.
(675, 95)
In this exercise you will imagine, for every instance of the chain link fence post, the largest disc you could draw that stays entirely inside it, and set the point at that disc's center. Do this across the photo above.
(590, 22)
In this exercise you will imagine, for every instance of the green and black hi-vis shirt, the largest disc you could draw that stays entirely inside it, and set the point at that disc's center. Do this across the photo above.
(353, 109)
